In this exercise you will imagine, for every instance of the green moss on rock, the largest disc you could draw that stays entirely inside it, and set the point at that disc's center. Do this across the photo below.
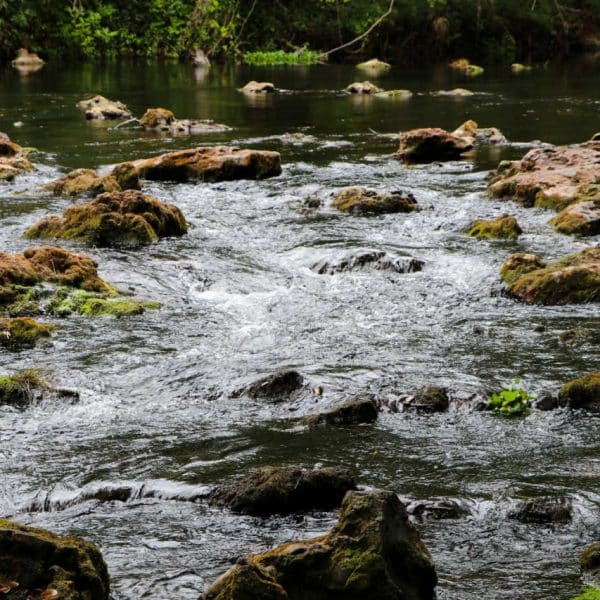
(504, 227)
(360, 201)
(590, 593)
(581, 219)
(583, 392)
(83, 182)
(22, 332)
(40, 561)
(518, 264)
(129, 218)
(18, 389)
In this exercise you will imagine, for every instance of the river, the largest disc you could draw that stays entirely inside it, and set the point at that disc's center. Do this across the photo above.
(240, 301)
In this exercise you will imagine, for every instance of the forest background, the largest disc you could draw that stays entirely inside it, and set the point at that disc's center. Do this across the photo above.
(406, 31)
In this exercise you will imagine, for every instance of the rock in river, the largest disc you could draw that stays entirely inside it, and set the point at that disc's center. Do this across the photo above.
(431, 144)
(13, 159)
(361, 409)
(280, 490)
(542, 510)
(164, 121)
(581, 219)
(361, 201)
(27, 59)
(86, 182)
(374, 67)
(376, 259)
(504, 227)
(573, 280)
(117, 218)
(213, 163)
(277, 387)
(24, 387)
(35, 563)
(583, 392)
(100, 107)
(22, 332)
(362, 88)
(258, 87)
(372, 553)
(551, 177)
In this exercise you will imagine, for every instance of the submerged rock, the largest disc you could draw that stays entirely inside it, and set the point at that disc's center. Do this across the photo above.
(431, 144)
(550, 177)
(429, 399)
(372, 553)
(423, 510)
(520, 68)
(583, 392)
(277, 387)
(13, 159)
(86, 182)
(163, 120)
(395, 94)
(572, 280)
(579, 219)
(377, 259)
(211, 163)
(456, 92)
(590, 559)
(374, 67)
(22, 332)
(358, 410)
(41, 564)
(100, 107)
(114, 218)
(504, 227)
(542, 510)
(280, 490)
(363, 87)
(361, 201)
(259, 87)
(23, 387)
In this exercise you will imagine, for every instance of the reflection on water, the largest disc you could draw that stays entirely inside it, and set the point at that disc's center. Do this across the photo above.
(240, 300)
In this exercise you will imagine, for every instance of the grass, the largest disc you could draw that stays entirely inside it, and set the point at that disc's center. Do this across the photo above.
(280, 57)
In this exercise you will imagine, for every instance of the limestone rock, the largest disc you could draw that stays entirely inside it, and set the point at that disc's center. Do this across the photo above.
(581, 219)
(504, 227)
(100, 107)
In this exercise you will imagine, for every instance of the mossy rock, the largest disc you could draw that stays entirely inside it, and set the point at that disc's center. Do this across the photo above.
(83, 182)
(67, 301)
(281, 490)
(360, 201)
(246, 581)
(590, 593)
(519, 264)
(505, 228)
(18, 389)
(38, 562)
(581, 219)
(156, 117)
(22, 332)
(120, 218)
(583, 392)
(572, 280)
(372, 553)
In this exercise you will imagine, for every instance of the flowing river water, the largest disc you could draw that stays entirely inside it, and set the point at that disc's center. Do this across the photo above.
(240, 301)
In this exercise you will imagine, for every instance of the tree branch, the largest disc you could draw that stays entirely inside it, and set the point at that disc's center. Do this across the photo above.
(384, 16)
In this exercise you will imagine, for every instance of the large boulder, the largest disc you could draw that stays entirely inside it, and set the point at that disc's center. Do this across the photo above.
(128, 217)
(372, 553)
(281, 490)
(550, 177)
(35, 563)
(214, 163)
(572, 280)
(583, 392)
(100, 107)
(504, 227)
(361, 201)
(13, 159)
(579, 219)
(431, 144)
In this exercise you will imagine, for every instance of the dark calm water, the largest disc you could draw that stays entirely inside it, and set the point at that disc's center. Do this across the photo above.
(240, 301)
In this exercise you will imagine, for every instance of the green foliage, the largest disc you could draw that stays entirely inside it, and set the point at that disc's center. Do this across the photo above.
(512, 399)
(279, 57)
(589, 594)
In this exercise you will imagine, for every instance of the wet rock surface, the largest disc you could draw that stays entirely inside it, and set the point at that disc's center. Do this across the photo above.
(259, 87)
(22, 332)
(84, 182)
(373, 552)
(431, 144)
(277, 387)
(118, 218)
(573, 280)
(162, 120)
(542, 510)
(583, 392)
(550, 177)
(581, 219)
(438, 509)
(40, 564)
(279, 490)
(218, 163)
(375, 259)
(361, 201)
(356, 411)
(374, 66)
(25, 58)
(23, 388)
(362, 88)
(13, 159)
(100, 107)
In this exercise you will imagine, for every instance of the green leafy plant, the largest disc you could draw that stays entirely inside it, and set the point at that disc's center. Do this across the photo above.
(512, 399)
(280, 57)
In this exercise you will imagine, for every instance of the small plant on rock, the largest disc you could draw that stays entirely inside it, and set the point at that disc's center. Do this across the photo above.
(512, 399)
